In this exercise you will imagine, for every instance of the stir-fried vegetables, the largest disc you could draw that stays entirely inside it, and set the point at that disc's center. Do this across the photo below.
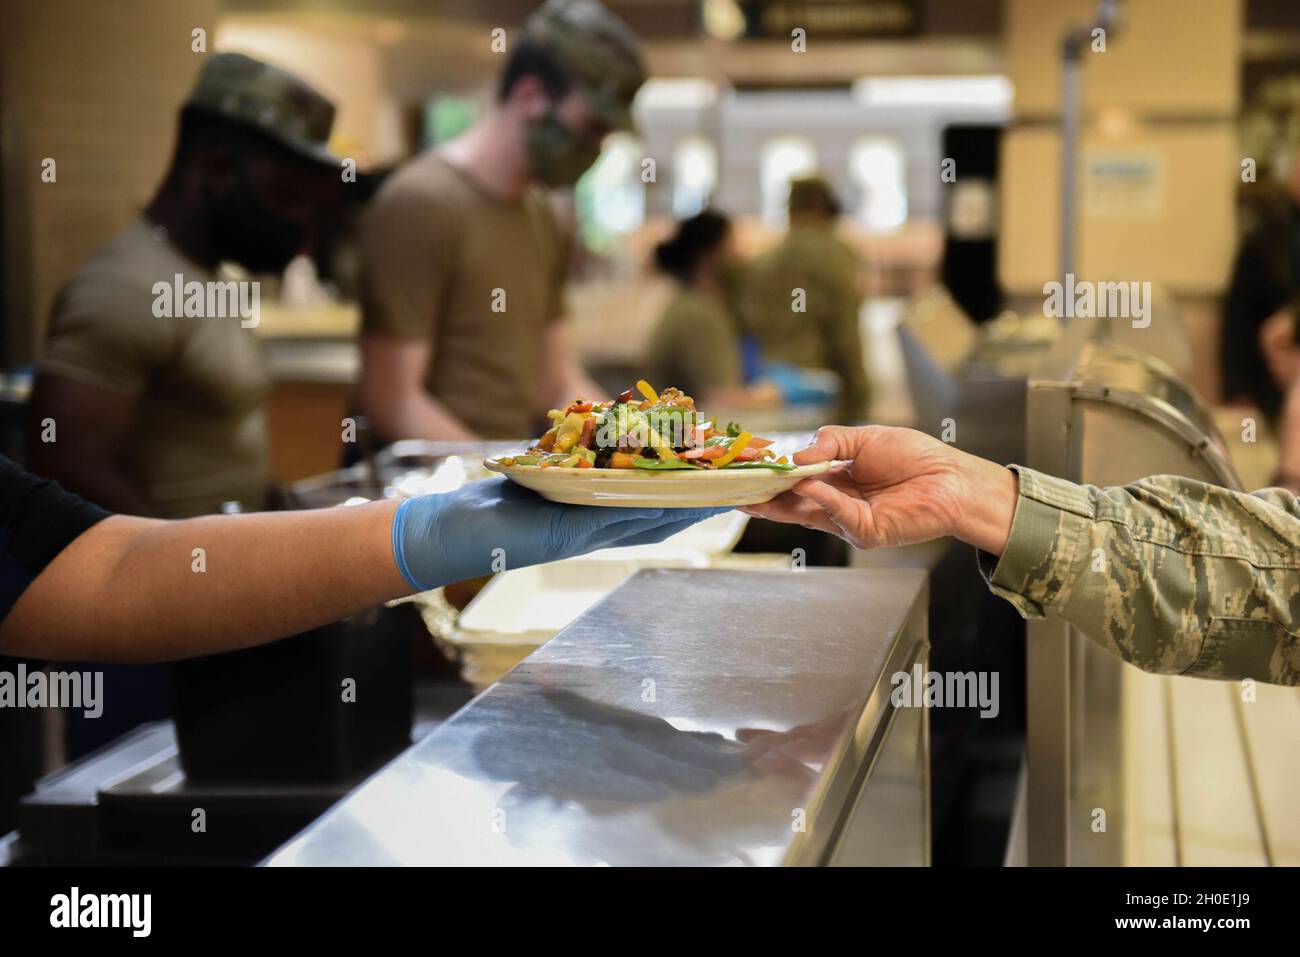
(645, 429)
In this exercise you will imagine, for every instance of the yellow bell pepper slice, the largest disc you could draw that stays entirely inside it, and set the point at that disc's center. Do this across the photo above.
(738, 446)
(644, 388)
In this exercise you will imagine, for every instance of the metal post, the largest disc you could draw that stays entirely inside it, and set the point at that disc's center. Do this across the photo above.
(1075, 41)
(1071, 92)
(1048, 740)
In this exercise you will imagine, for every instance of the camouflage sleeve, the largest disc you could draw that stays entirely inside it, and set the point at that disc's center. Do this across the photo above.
(1171, 574)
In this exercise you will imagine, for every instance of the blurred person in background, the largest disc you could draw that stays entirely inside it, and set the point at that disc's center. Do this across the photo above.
(1265, 275)
(1278, 344)
(825, 334)
(696, 345)
(464, 258)
(141, 407)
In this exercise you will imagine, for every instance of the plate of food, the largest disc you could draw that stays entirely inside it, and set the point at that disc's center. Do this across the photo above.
(649, 448)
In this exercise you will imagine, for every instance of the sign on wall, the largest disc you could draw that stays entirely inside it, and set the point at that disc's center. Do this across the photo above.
(832, 18)
(1122, 182)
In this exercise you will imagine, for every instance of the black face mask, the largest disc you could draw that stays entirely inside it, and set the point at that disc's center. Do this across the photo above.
(253, 235)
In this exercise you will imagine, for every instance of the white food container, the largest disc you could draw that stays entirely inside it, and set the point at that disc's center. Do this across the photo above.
(524, 607)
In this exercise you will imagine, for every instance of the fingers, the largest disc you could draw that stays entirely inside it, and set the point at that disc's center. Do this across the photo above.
(762, 509)
(596, 520)
(846, 512)
(794, 510)
(650, 536)
(698, 514)
(620, 522)
(776, 509)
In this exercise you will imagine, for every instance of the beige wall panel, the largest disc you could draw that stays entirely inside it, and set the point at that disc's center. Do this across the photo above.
(1171, 57)
(95, 86)
(1177, 228)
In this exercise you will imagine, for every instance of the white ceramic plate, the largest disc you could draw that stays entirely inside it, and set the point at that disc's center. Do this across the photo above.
(642, 488)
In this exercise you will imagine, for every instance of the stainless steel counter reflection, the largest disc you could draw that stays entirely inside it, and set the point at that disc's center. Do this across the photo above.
(692, 717)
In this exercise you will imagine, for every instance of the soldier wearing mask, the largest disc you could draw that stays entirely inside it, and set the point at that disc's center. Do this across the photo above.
(463, 255)
(157, 411)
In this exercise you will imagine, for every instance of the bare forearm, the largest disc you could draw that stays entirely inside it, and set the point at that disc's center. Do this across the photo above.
(140, 590)
(418, 417)
(581, 384)
(565, 379)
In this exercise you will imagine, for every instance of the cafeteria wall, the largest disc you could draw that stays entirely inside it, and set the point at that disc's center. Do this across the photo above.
(1159, 165)
(1163, 99)
(93, 87)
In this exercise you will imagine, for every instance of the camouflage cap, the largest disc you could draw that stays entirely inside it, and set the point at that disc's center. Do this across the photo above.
(597, 49)
(813, 194)
(268, 99)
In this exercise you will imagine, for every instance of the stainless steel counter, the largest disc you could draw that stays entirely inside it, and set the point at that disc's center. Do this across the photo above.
(692, 717)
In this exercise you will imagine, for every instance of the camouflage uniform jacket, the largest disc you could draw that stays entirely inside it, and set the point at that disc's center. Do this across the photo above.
(1173, 575)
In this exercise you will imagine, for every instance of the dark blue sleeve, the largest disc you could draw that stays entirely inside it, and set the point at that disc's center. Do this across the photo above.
(38, 519)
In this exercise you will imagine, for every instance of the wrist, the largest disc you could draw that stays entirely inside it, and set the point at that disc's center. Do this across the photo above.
(401, 518)
(992, 491)
(417, 544)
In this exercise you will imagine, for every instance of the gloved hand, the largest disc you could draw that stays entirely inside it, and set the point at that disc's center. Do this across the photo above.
(495, 524)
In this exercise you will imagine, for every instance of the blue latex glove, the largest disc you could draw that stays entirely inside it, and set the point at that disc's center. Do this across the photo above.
(494, 524)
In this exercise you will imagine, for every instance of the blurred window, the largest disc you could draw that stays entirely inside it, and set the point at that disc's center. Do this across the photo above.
(877, 169)
(695, 175)
(610, 197)
(687, 94)
(782, 159)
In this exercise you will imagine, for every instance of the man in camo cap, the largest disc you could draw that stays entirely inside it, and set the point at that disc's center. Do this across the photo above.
(464, 256)
(159, 410)
(160, 414)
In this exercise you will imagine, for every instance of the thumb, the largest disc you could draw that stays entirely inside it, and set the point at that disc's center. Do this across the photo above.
(835, 442)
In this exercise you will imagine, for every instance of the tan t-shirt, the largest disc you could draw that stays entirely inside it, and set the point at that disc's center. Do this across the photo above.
(695, 346)
(200, 433)
(478, 278)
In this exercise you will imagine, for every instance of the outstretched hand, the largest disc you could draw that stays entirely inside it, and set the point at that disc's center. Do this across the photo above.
(493, 525)
(897, 487)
